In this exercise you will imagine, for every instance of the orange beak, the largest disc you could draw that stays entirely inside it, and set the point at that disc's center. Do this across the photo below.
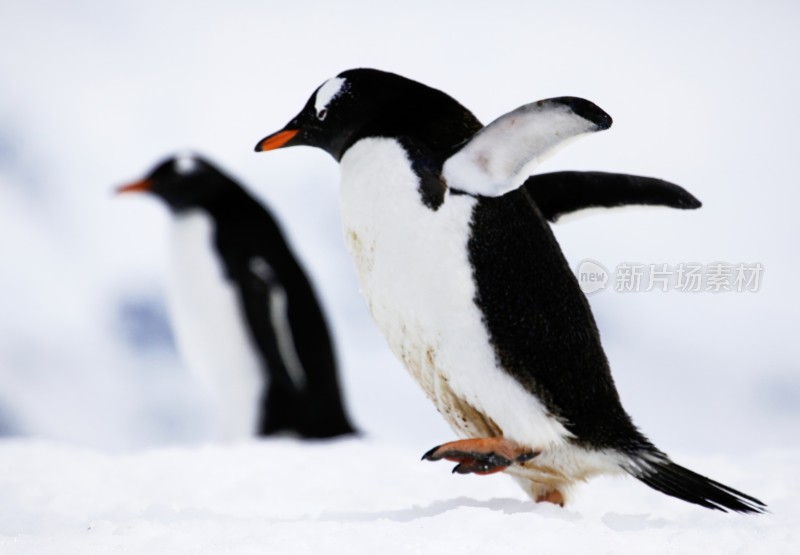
(136, 187)
(276, 140)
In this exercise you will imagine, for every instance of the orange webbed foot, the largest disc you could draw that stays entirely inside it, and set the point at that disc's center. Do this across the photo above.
(481, 455)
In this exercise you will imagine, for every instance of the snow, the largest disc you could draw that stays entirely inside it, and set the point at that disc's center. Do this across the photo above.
(94, 93)
(358, 496)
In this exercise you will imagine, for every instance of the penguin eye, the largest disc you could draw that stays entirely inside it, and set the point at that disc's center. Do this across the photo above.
(322, 114)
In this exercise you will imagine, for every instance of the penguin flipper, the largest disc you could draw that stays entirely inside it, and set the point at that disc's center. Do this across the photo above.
(264, 304)
(500, 157)
(560, 193)
(303, 393)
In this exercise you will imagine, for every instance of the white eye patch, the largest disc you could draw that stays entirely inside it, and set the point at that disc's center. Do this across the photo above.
(326, 93)
(184, 165)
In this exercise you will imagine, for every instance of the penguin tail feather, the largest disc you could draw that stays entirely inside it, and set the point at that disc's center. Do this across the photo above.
(663, 475)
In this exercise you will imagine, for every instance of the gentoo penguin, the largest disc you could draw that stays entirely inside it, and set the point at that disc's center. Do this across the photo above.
(246, 318)
(464, 277)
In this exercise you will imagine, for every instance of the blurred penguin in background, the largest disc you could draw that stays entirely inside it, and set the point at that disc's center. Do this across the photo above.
(245, 316)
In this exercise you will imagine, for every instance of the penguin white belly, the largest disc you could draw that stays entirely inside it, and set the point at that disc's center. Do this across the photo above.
(210, 327)
(415, 273)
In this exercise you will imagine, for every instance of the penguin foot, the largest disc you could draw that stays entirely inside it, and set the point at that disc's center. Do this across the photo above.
(554, 497)
(481, 455)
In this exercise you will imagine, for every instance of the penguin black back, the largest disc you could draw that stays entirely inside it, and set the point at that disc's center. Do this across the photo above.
(537, 295)
(283, 317)
(257, 259)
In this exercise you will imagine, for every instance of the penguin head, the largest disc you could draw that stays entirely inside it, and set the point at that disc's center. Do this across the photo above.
(184, 181)
(361, 103)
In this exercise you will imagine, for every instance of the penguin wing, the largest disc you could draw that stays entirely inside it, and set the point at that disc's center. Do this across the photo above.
(266, 309)
(500, 157)
(559, 193)
(292, 335)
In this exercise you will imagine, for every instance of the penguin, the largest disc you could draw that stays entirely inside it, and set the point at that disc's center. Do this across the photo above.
(246, 318)
(461, 272)
(557, 194)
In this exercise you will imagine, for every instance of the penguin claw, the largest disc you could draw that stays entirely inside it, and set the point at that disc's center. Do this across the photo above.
(430, 454)
(525, 457)
(481, 456)
(482, 467)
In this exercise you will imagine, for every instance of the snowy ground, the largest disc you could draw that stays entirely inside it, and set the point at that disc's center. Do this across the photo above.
(357, 496)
